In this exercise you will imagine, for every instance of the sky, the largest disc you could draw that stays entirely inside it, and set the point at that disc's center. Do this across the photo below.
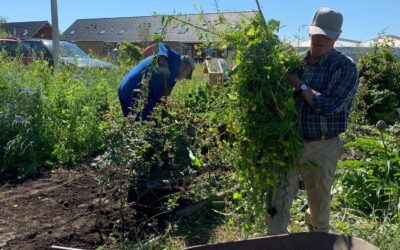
(363, 19)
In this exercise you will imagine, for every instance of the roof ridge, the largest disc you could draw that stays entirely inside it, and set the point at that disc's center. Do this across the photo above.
(27, 22)
(190, 14)
(349, 40)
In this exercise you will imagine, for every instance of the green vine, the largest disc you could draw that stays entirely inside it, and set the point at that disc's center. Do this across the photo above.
(262, 114)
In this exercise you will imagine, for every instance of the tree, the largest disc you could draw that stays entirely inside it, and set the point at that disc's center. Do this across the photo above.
(380, 73)
(144, 34)
(129, 53)
(4, 33)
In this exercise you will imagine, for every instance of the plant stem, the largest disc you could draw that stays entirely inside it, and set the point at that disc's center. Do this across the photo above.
(195, 26)
(261, 14)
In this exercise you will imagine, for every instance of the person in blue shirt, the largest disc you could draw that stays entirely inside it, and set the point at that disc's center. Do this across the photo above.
(170, 66)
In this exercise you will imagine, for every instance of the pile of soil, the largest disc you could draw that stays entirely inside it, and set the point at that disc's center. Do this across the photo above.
(59, 208)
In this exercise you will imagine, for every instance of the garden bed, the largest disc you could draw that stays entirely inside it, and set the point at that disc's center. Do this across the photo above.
(59, 208)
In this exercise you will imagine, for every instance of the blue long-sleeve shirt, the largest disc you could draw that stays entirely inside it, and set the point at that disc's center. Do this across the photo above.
(131, 85)
(335, 79)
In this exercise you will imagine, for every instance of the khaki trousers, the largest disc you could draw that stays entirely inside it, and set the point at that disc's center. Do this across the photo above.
(318, 162)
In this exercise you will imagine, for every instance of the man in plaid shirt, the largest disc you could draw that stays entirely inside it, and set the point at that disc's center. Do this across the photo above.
(326, 88)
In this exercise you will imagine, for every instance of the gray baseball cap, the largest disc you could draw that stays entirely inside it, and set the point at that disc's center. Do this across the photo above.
(190, 62)
(328, 22)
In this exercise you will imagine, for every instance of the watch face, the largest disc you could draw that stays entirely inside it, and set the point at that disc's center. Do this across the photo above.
(304, 87)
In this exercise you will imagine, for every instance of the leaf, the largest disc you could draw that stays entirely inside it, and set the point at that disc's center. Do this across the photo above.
(156, 37)
(169, 21)
(232, 97)
(191, 155)
(237, 196)
(195, 161)
(251, 31)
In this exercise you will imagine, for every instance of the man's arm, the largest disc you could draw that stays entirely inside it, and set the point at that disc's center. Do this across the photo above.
(163, 72)
(342, 91)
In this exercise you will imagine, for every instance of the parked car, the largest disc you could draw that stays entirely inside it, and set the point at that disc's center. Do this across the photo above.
(15, 49)
(70, 54)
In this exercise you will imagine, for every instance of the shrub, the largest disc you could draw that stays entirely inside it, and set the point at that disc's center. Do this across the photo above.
(369, 179)
(380, 72)
(182, 136)
(129, 53)
(4, 33)
(48, 119)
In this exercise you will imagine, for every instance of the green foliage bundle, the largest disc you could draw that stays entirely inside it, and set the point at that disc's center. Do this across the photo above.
(48, 119)
(263, 114)
(380, 72)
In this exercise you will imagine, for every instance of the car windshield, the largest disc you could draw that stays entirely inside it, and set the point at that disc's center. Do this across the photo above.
(68, 49)
(13, 48)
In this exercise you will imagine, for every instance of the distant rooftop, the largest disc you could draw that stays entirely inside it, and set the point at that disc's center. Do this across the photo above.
(24, 30)
(138, 29)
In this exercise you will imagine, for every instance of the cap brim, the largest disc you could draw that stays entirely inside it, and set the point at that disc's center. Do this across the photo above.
(315, 30)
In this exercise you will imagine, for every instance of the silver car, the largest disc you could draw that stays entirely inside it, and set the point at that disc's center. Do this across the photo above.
(70, 54)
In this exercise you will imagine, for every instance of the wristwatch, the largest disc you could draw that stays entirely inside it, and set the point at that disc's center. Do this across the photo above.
(303, 87)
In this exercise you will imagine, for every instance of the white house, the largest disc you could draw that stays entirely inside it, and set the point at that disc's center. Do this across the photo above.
(354, 48)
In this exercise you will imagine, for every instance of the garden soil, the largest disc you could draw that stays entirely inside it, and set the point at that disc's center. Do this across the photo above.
(59, 208)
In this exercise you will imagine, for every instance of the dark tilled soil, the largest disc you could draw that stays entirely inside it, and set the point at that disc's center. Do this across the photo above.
(57, 209)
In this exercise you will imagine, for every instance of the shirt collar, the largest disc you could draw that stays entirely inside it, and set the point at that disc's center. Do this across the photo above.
(322, 59)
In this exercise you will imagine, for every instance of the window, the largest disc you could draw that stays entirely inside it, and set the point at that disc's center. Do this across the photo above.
(72, 32)
(158, 31)
(38, 49)
(122, 32)
(13, 48)
(102, 32)
(183, 30)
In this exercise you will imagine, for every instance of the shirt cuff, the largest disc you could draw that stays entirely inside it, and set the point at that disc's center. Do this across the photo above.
(317, 101)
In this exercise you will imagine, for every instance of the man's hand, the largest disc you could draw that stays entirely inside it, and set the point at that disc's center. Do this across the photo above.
(294, 80)
(164, 73)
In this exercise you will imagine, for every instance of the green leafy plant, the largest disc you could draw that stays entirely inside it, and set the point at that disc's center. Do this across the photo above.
(380, 73)
(129, 54)
(48, 119)
(262, 114)
(370, 180)
(180, 137)
(4, 33)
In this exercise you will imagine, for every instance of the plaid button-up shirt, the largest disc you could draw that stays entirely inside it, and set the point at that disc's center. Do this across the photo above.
(335, 79)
